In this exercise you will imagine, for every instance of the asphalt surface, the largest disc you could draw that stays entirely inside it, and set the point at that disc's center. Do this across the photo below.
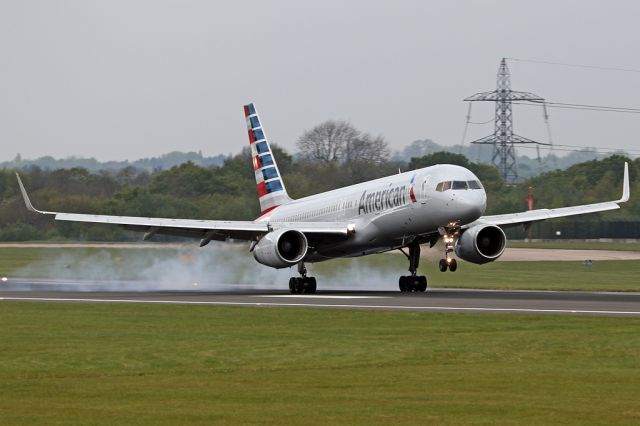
(434, 300)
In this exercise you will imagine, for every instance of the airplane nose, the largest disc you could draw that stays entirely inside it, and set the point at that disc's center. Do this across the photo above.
(471, 206)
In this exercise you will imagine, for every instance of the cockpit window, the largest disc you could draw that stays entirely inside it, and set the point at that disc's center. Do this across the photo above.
(460, 184)
(443, 186)
(474, 184)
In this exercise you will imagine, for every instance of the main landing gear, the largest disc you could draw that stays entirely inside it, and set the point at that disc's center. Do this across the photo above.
(448, 262)
(413, 282)
(302, 284)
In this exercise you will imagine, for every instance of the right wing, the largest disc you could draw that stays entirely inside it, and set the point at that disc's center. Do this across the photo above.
(528, 217)
(205, 230)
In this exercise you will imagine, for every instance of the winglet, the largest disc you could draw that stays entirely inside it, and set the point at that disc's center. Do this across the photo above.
(625, 185)
(27, 201)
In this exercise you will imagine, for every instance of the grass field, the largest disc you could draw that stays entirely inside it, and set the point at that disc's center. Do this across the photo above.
(371, 272)
(149, 364)
(587, 245)
(571, 276)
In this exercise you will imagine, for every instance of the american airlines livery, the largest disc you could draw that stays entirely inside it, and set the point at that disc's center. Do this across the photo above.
(398, 212)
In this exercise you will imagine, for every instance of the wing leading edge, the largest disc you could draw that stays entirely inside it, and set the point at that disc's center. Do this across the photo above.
(544, 214)
(205, 230)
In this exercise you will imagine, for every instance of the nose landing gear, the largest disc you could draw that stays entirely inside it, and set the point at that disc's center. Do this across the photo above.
(448, 262)
(302, 284)
(413, 282)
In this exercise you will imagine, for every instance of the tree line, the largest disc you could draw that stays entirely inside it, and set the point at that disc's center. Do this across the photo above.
(331, 155)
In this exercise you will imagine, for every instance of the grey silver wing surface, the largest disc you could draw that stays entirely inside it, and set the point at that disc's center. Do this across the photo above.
(527, 217)
(205, 230)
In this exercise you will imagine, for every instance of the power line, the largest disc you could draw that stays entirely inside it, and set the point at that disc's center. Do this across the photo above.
(593, 106)
(545, 116)
(491, 120)
(590, 148)
(604, 151)
(466, 127)
(565, 64)
(601, 148)
(585, 107)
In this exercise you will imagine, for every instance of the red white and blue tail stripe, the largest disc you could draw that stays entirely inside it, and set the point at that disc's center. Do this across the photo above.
(271, 190)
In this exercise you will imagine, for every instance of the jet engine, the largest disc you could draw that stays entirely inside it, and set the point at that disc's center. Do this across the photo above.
(481, 244)
(281, 248)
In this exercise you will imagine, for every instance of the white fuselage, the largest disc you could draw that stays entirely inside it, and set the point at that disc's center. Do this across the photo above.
(390, 212)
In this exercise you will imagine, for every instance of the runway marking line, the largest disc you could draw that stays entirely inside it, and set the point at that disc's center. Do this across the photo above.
(322, 305)
(317, 296)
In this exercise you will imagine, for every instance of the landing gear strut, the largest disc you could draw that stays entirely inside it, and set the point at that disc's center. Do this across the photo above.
(302, 284)
(448, 262)
(413, 282)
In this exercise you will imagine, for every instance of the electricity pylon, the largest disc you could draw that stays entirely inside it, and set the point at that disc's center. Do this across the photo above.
(503, 139)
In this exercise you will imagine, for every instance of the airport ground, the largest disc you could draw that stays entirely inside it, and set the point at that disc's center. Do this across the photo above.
(180, 266)
(152, 364)
(130, 363)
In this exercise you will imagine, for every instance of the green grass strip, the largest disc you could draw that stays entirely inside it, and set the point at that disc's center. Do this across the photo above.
(123, 364)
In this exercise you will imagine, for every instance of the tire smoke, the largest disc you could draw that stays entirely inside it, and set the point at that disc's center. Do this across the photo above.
(216, 267)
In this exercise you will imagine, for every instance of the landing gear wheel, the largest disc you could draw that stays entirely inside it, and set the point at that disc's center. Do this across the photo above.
(442, 265)
(450, 264)
(453, 265)
(402, 283)
(422, 283)
(413, 283)
(449, 235)
(302, 285)
(311, 285)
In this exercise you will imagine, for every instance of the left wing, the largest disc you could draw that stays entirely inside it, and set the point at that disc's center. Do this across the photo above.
(205, 230)
(531, 216)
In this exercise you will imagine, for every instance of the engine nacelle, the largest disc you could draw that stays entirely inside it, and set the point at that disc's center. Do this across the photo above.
(281, 248)
(481, 244)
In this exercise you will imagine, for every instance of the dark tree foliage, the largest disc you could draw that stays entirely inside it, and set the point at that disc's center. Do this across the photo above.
(335, 143)
(229, 191)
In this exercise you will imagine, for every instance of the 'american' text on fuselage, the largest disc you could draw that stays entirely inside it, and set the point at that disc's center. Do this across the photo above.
(382, 200)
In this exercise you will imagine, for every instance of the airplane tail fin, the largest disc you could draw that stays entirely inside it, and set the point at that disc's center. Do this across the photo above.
(271, 190)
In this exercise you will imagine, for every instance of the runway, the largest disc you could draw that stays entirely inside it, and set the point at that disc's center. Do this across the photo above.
(434, 300)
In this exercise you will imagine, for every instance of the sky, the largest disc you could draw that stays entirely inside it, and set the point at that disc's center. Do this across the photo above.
(125, 79)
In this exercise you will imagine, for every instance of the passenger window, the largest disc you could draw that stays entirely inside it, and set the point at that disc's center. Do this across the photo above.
(459, 184)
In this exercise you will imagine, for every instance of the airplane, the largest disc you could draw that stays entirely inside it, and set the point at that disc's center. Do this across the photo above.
(398, 212)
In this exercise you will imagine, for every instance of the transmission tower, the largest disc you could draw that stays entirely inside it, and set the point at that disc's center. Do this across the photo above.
(503, 139)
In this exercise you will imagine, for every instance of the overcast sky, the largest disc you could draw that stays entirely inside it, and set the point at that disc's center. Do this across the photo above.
(124, 79)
